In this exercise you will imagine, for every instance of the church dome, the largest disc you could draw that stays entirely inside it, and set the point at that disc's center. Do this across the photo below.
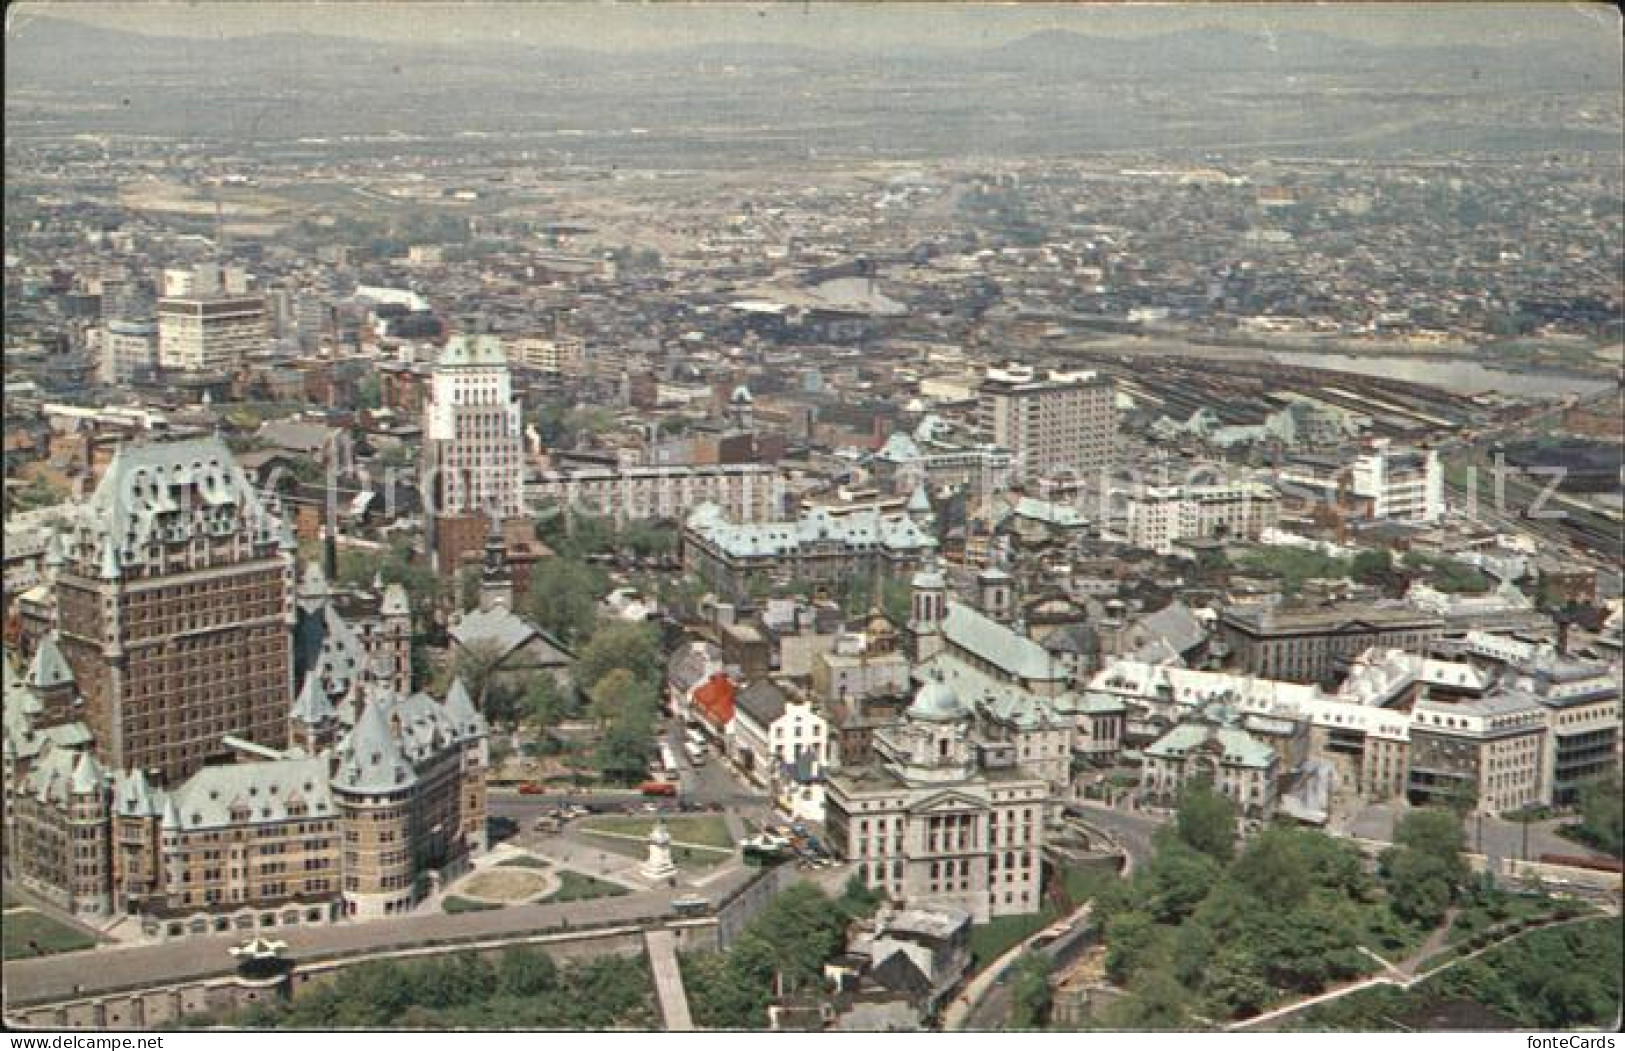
(937, 703)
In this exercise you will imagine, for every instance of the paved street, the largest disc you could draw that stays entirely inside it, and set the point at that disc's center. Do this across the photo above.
(1493, 836)
(56, 977)
(1133, 828)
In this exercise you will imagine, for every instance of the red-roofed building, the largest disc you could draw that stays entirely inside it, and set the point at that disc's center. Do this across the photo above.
(713, 702)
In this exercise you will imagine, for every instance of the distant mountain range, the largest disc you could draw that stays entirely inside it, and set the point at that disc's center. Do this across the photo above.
(54, 51)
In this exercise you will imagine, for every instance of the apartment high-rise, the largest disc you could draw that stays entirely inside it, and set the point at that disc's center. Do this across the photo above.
(174, 609)
(1060, 426)
(473, 444)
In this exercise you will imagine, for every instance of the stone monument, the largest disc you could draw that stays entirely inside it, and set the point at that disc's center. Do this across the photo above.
(659, 868)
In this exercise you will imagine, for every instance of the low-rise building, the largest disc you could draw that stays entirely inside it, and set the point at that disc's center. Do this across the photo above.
(748, 492)
(1308, 645)
(820, 547)
(1158, 517)
(1214, 747)
(781, 741)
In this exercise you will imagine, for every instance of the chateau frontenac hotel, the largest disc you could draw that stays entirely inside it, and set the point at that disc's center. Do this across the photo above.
(197, 738)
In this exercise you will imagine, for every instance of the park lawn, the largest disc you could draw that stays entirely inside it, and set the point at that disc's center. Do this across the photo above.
(683, 857)
(707, 830)
(454, 904)
(51, 935)
(573, 886)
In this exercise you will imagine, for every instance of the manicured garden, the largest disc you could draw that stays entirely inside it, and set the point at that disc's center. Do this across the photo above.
(28, 933)
(573, 886)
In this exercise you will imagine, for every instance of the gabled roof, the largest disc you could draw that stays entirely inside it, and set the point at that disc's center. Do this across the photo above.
(1177, 625)
(460, 710)
(395, 602)
(763, 701)
(1236, 747)
(715, 699)
(88, 776)
(313, 707)
(49, 667)
(252, 793)
(508, 632)
(1014, 654)
(135, 797)
(135, 504)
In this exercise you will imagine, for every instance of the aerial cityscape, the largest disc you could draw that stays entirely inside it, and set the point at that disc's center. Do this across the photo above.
(813, 517)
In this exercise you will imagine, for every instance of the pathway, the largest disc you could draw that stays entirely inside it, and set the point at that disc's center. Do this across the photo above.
(1429, 948)
(662, 950)
(959, 1011)
(1434, 943)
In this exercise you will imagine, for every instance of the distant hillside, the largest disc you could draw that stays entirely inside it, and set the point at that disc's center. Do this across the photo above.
(52, 50)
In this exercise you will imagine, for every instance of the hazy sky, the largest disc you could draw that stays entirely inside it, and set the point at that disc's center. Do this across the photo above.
(623, 26)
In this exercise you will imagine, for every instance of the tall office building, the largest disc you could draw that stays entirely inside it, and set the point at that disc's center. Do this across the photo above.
(129, 350)
(473, 446)
(174, 609)
(1059, 426)
(1405, 484)
(210, 335)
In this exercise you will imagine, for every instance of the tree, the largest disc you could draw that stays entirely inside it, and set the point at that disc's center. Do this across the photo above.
(623, 751)
(1155, 1001)
(468, 587)
(1373, 567)
(1601, 820)
(1438, 833)
(1206, 820)
(1234, 983)
(1272, 869)
(563, 598)
(1030, 992)
(1424, 869)
(1133, 939)
(620, 696)
(1180, 878)
(1419, 888)
(476, 664)
(369, 392)
(634, 648)
(546, 704)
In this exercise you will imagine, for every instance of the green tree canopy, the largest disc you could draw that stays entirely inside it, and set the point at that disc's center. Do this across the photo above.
(1206, 820)
(563, 598)
(546, 703)
(1030, 992)
(1601, 821)
(634, 648)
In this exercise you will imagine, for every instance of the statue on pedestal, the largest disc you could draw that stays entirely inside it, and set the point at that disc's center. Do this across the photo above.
(659, 866)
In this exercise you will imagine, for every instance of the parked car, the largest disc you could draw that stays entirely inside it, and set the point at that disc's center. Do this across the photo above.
(531, 788)
(658, 788)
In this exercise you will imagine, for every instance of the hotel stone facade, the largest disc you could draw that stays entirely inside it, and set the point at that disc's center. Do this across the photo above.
(158, 761)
